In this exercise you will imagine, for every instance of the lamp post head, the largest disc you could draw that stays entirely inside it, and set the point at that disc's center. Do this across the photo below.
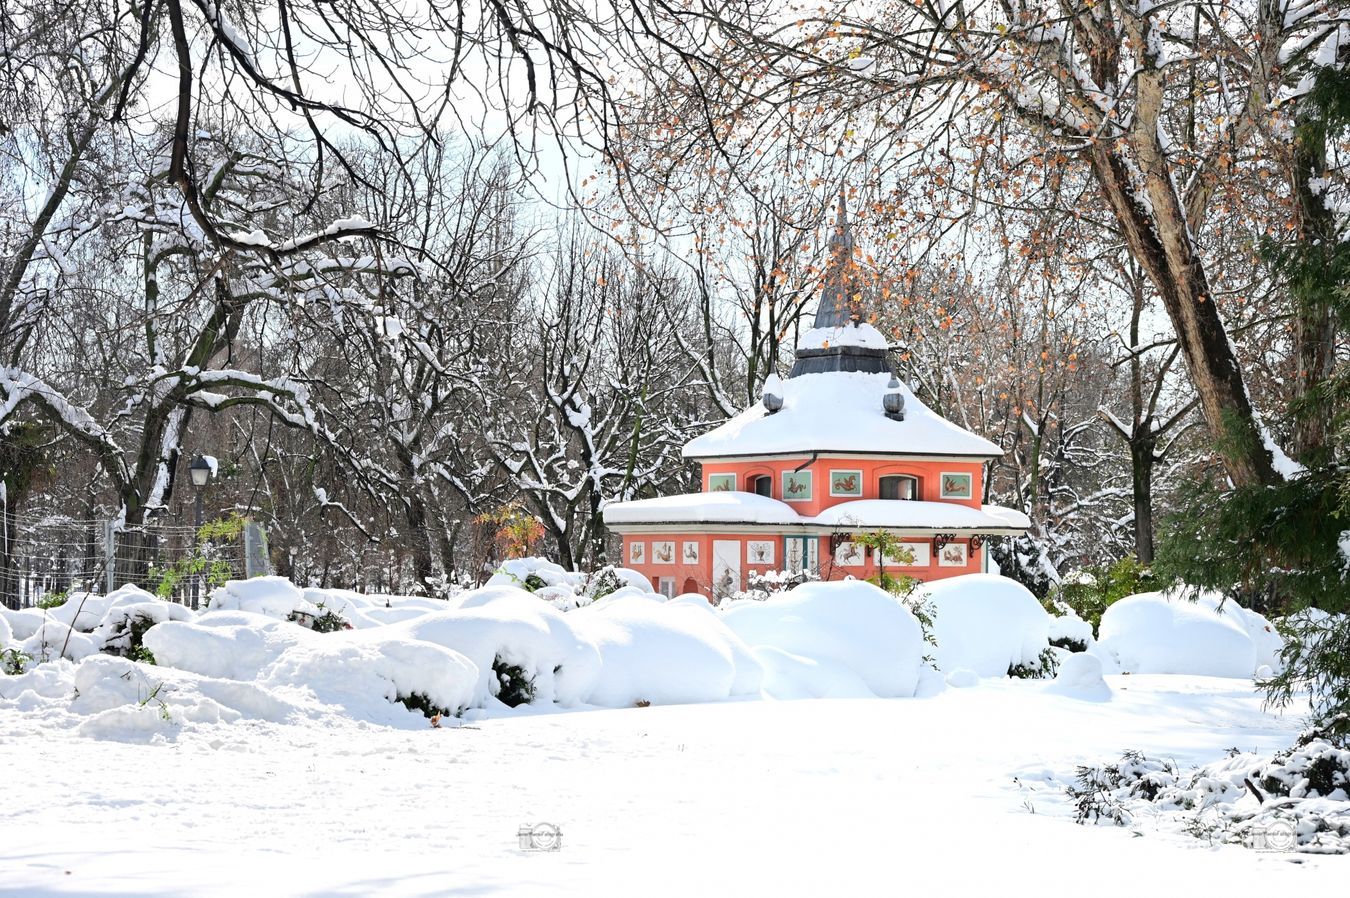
(201, 471)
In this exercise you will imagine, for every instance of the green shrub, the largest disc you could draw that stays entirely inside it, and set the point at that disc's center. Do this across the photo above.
(53, 599)
(1045, 667)
(14, 662)
(1098, 588)
(514, 686)
(418, 701)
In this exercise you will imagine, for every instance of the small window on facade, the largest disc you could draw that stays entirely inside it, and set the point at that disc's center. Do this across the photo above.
(899, 487)
(763, 485)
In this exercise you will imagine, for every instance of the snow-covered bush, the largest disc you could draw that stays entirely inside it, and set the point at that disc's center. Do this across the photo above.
(1070, 632)
(1088, 593)
(849, 628)
(989, 624)
(271, 596)
(664, 653)
(760, 585)
(1173, 633)
(1295, 800)
(504, 626)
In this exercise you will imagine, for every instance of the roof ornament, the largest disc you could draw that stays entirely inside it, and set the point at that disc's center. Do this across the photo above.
(839, 302)
(773, 393)
(893, 401)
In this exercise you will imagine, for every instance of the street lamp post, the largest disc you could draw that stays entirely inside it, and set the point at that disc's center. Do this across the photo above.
(201, 470)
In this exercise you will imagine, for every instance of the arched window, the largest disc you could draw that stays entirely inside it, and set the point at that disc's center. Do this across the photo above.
(763, 485)
(899, 486)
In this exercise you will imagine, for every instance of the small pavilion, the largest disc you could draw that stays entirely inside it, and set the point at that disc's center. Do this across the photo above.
(840, 447)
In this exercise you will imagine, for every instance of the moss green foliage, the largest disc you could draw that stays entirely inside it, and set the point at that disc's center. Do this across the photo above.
(514, 686)
(14, 662)
(1091, 595)
(53, 599)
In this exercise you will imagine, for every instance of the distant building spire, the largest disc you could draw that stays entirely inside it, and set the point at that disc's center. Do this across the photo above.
(826, 348)
(840, 302)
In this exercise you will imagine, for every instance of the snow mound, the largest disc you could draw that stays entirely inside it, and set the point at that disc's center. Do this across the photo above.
(367, 676)
(1080, 676)
(272, 596)
(231, 645)
(963, 678)
(1071, 628)
(510, 624)
(6, 631)
(789, 676)
(1167, 633)
(652, 651)
(850, 625)
(986, 623)
(114, 630)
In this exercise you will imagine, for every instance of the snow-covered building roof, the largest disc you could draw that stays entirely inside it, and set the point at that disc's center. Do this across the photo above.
(702, 508)
(749, 509)
(840, 411)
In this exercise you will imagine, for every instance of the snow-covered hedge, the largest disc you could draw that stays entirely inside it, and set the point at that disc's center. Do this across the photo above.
(841, 638)
(988, 624)
(1175, 633)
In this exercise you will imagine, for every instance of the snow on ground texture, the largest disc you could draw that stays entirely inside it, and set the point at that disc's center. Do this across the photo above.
(807, 798)
(1168, 633)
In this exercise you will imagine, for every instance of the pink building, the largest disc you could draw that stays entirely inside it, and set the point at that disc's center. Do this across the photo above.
(839, 448)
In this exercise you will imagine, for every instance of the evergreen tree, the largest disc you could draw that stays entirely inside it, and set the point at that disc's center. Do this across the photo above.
(1285, 548)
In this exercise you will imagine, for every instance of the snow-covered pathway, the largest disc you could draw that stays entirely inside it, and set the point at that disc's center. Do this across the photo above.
(821, 797)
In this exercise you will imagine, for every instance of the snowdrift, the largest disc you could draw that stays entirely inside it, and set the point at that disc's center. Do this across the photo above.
(131, 666)
(832, 639)
(986, 624)
(1168, 633)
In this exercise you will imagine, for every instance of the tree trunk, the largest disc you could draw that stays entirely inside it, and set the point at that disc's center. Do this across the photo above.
(1160, 240)
(1141, 464)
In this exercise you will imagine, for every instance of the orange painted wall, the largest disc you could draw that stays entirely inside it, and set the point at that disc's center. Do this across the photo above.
(929, 474)
(698, 576)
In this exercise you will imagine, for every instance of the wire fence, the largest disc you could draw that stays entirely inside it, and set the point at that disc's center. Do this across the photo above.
(45, 557)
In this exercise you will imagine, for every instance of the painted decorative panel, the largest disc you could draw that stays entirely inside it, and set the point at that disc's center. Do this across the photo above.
(721, 483)
(637, 553)
(663, 552)
(797, 486)
(850, 554)
(952, 555)
(689, 553)
(956, 485)
(919, 551)
(759, 551)
(848, 483)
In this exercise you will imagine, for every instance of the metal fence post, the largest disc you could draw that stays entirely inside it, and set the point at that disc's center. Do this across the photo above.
(256, 560)
(109, 556)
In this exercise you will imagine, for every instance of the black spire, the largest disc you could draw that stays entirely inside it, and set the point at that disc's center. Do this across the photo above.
(840, 304)
(839, 300)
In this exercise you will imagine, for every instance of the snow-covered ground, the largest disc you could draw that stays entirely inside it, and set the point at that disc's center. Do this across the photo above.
(957, 794)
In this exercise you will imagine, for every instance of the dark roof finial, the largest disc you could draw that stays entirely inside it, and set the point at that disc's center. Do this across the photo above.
(839, 303)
